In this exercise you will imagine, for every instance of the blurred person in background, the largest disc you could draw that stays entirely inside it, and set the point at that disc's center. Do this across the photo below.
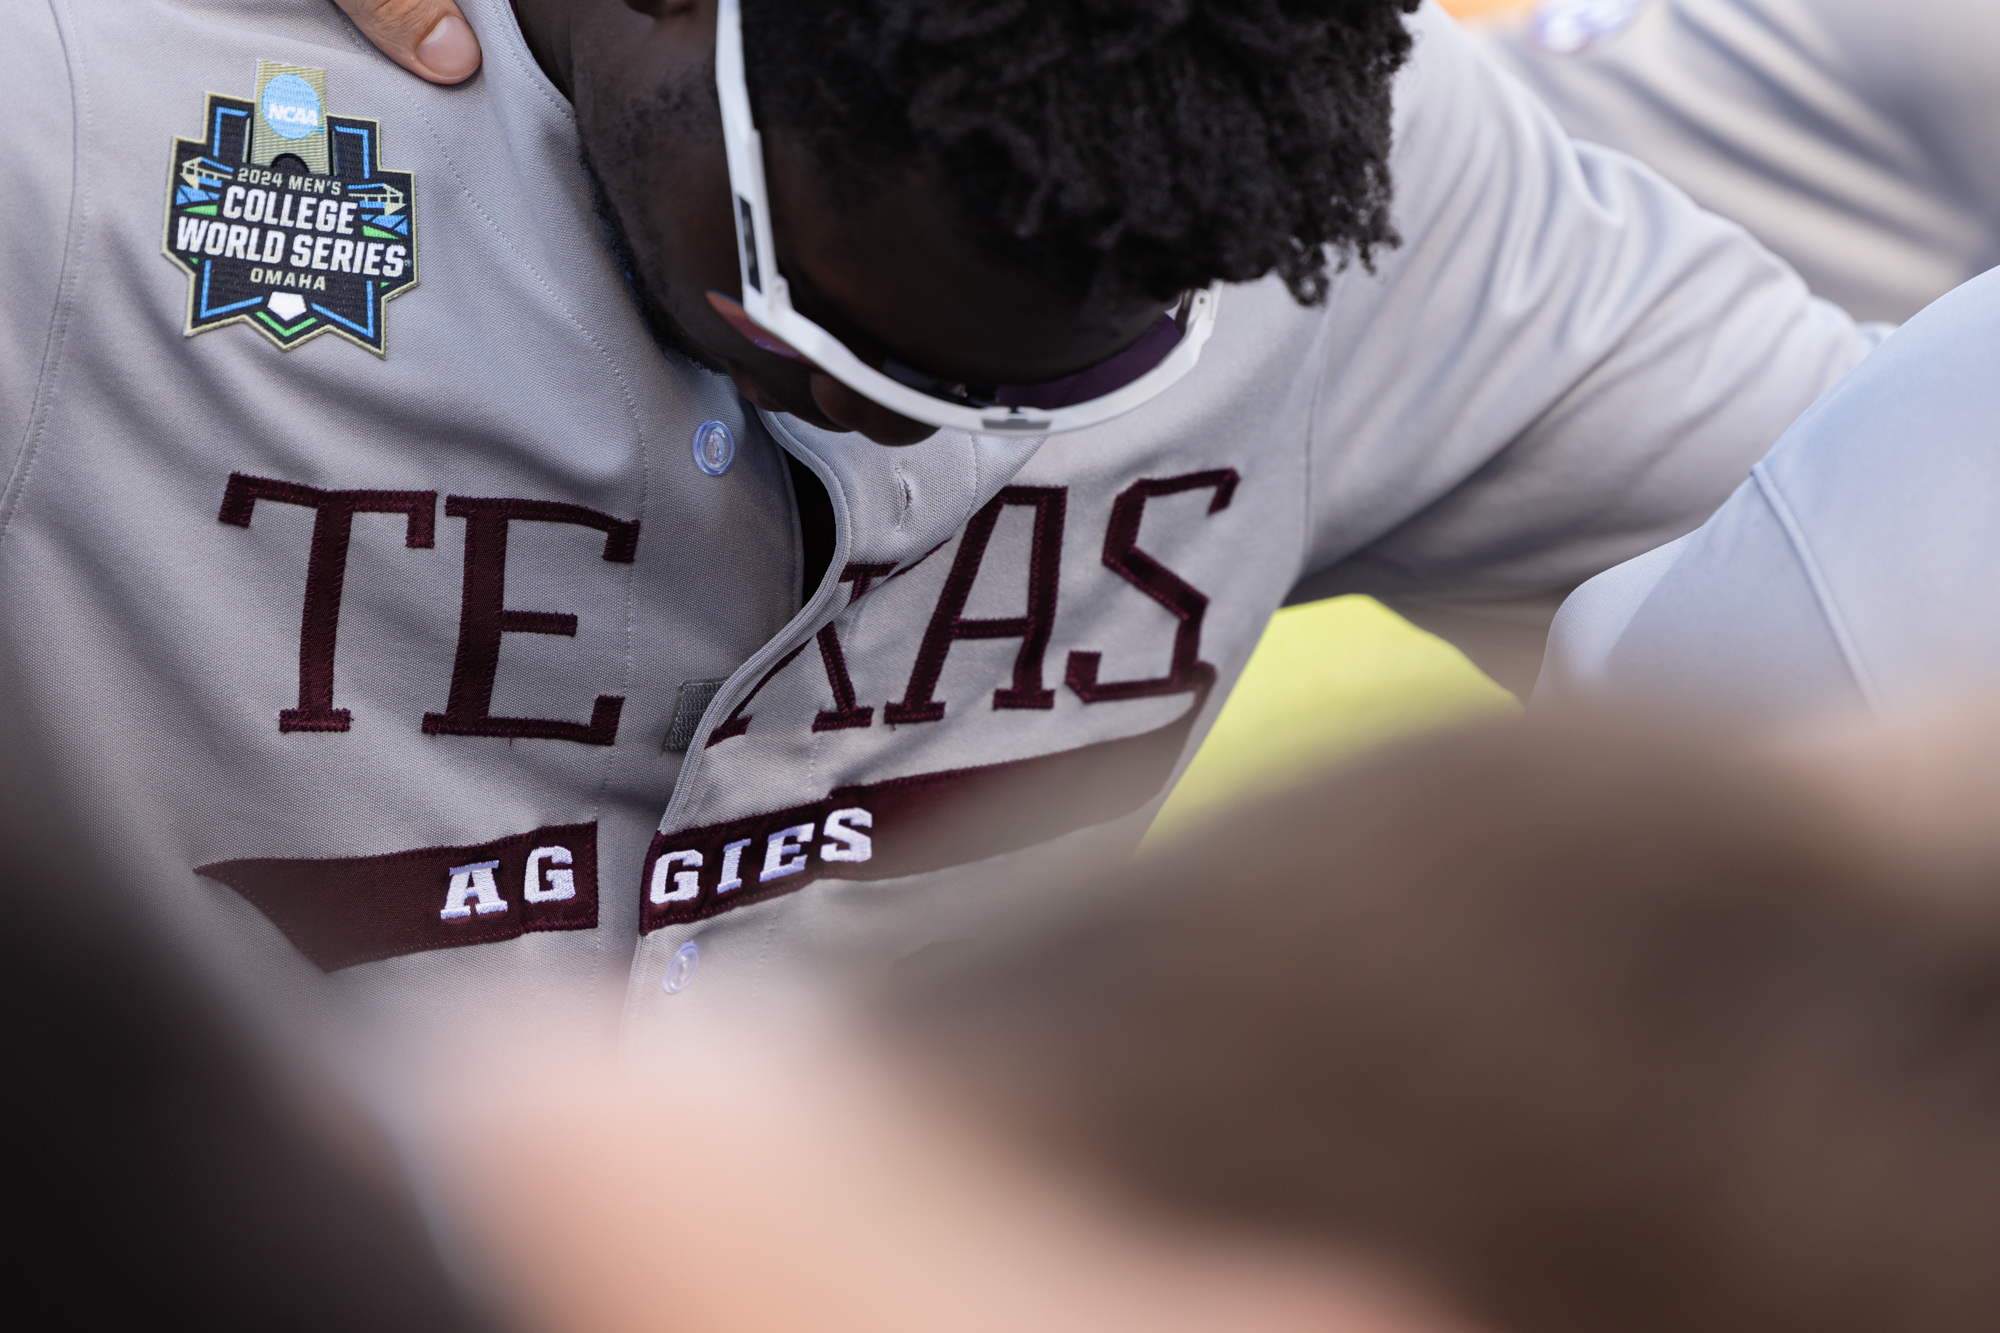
(1854, 137)
(1511, 1031)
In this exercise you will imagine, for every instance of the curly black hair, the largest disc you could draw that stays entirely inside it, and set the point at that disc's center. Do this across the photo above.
(1110, 146)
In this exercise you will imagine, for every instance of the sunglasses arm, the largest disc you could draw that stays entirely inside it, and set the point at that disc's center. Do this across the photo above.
(764, 290)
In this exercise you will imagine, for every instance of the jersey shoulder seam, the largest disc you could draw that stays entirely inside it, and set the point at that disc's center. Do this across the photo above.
(39, 403)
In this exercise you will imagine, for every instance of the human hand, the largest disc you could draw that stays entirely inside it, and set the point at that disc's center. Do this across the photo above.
(430, 38)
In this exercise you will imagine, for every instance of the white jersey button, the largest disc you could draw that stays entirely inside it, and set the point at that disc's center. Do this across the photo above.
(714, 447)
(681, 970)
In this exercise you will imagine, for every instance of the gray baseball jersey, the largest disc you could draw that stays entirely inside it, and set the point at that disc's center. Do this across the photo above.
(1853, 137)
(1855, 566)
(435, 644)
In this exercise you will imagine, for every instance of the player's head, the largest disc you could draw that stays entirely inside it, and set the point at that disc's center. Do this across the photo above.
(989, 191)
(1581, 1035)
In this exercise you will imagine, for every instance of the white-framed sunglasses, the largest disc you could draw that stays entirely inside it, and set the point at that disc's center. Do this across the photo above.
(1109, 389)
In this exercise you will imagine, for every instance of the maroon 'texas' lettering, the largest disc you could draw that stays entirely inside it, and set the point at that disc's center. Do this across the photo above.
(1142, 571)
(484, 617)
(340, 911)
(739, 721)
(949, 623)
(847, 711)
(326, 574)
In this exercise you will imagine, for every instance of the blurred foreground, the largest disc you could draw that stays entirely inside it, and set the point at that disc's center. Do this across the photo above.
(1516, 1029)
(1328, 681)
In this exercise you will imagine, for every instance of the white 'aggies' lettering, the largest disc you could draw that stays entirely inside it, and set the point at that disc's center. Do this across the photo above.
(475, 881)
(547, 882)
(787, 852)
(849, 843)
(687, 883)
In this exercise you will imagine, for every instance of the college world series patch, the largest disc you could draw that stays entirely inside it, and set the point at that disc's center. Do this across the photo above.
(284, 218)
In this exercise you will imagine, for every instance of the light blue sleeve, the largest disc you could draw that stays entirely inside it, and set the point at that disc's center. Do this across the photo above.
(1592, 619)
(1726, 622)
(39, 166)
(1859, 563)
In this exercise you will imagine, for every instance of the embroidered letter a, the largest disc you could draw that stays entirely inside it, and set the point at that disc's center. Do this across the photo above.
(474, 881)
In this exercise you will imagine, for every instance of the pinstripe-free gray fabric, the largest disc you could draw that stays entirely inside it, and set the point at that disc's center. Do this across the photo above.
(1853, 137)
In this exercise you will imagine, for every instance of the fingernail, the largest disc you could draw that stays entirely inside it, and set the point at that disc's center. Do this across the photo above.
(451, 51)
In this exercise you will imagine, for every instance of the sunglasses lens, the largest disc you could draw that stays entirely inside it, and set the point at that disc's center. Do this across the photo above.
(739, 319)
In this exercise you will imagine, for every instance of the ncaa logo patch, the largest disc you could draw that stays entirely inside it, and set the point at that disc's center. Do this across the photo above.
(284, 219)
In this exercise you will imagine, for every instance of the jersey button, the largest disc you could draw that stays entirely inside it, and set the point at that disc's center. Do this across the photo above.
(681, 970)
(714, 447)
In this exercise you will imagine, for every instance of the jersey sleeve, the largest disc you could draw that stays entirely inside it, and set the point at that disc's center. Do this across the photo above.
(1726, 621)
(34, 210)
(1852, 137)
(1934, 65)
(1565, 363)
(1856, 566)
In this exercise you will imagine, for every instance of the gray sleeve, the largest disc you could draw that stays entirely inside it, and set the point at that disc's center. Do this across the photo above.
(35, 224)
(1727, 621)
(1933, 65)
(1566, 363)
(1853, 137)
